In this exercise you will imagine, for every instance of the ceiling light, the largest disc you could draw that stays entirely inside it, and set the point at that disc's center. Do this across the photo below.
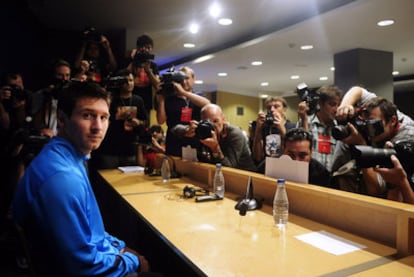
(323, 78)
(225, 21)
(394, 73)
(384, 23)
(294, 77)
(222, 74)
(264, 84)
(189, 45)
(257, 63)
(306, 47)
(332, 68)
(199, 82)
(194, 28)
(203, 58)
(264, 95)
(215, 10)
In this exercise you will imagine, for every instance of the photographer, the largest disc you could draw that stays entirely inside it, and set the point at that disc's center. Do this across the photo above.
(145, 70)
(223, 142)
(95, 58)
(397, 176)
(270, 130)
(392, 128)
(180, 106)
(128, 118)
(320, 120)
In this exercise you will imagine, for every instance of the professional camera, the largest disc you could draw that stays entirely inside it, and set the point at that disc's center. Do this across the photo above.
(167, 79)
(27, 144)
(367, 128)
(311, 97)
(16, 93)
(90, 34)
(204, 129)
(367, 156)
(141, 56)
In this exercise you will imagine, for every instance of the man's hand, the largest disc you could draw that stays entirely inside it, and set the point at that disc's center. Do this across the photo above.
(355, 138)
(396, 175)
(143, 263)
(344, 113)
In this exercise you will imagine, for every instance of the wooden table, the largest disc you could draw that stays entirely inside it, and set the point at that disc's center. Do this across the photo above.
(220, 242)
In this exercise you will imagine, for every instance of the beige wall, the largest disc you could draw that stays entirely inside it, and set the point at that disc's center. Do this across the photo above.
(229, 102)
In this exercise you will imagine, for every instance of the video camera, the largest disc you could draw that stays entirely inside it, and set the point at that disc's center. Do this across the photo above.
(141, 56)
(167, 79)
(311, 97)
(204, 129)
(90, 34)
(368, 156)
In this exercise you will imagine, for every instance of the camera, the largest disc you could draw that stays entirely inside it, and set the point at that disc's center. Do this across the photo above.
(141, 56)
(367, 128)
(311, 97)
(90, 34)
(16, 93)
(114, 83)
(204, 129)
(269, 118)
(167, 79)
(368, 156)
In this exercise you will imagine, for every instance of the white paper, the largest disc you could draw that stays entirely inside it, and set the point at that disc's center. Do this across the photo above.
(189, 154)
(131, 169)
(330, 243)
(286, 168)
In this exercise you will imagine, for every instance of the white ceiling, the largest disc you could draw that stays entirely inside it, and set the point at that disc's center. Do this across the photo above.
(268, 30)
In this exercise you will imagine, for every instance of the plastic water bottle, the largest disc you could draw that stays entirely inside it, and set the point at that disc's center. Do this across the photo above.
(280, 204)
(218, 181)
(165, 170)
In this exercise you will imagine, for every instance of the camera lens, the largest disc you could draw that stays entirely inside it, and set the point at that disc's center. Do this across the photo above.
(340, 132)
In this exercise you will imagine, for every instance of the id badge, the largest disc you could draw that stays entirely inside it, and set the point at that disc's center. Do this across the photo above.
(186, 114)
(324, 144)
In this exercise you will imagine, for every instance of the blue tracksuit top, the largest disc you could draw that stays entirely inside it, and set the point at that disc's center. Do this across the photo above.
(55, 203)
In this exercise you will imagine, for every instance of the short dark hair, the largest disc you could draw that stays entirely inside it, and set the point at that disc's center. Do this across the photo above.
(156, 129)
(75, 90)
(387, 108)
(298, 134)
(144, 40)
(329, 92)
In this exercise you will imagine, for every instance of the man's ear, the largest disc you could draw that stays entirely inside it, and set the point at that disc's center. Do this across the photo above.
(61, 119)
(394, 120)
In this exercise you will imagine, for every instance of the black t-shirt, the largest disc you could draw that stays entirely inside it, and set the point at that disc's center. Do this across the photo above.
(175, 109)
(144, 90)
(119, 141)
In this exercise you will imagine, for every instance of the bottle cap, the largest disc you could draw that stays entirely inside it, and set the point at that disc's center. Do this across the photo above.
(218, 164)
(281, 181)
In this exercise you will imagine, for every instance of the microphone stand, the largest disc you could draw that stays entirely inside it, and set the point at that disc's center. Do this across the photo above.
(249, 202)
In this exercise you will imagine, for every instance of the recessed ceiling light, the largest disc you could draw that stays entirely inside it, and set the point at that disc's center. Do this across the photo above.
(395, 73)
(222, 74)
(294, 77)
(199, 82)
(203, 58)
(194, 28)
(306, 47)
(384, 23)
(225, 21)
(332, 68)
(264, 95)
(215, 10)
(264, 84)
(257, 63)
(323, 78)
(189, 45)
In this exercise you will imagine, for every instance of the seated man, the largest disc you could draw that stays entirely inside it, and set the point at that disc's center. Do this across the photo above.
(222, 143)
(54, 201)
(298, 145)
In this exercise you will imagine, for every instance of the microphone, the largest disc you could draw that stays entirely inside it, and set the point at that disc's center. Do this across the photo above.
(249, 202)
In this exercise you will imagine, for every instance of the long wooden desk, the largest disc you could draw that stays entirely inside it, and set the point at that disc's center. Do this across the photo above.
(214, 240)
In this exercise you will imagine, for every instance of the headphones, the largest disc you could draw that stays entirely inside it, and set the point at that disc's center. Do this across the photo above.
(190, 192)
